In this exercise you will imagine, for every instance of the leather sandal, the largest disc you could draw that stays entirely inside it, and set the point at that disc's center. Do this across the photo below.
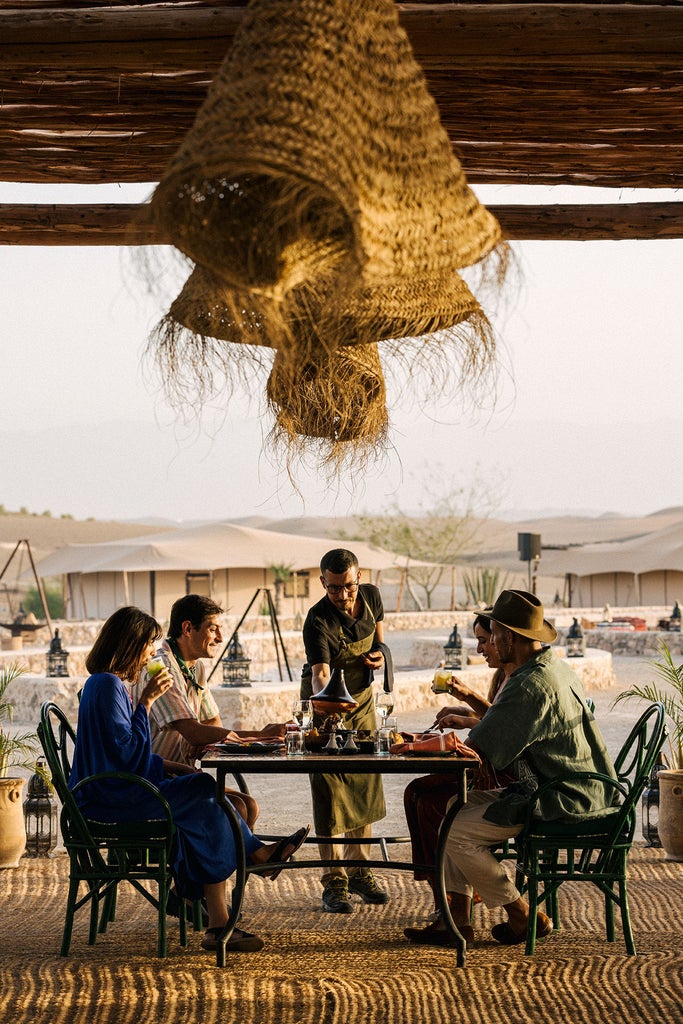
(239, 941)
(292, 843)
(504, 934)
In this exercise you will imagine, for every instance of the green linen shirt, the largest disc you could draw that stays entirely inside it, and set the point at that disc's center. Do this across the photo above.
(540, 727)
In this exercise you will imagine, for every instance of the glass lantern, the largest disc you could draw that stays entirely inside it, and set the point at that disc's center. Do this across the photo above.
(576, 641)
(40, 816)
(56, 657)
(453, 650)
(675, 620)
(650, 806)
(236, 667)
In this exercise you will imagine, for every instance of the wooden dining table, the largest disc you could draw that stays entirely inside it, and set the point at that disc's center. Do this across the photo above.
(238, 765)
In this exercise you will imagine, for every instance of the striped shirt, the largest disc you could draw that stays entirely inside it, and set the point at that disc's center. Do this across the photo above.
(181, 701)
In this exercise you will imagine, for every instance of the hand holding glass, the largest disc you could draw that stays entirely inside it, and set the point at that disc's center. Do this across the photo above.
(155, 665)
(441, 681)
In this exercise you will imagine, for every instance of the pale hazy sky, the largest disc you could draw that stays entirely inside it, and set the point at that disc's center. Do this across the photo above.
(593, 419)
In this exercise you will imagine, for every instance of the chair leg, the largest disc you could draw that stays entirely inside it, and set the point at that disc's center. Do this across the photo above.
(94, 912)
(609, 911)
(532, 897)
(108, 908)
(626, 918)
(161, 924)
(69, 919)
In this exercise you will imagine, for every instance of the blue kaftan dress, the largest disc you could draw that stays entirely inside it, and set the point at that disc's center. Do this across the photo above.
(112, 737)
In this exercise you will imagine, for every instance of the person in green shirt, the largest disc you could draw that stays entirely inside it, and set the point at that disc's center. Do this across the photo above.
(538, 728)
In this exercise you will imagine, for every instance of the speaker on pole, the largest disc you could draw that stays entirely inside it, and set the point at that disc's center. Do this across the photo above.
(529, 546)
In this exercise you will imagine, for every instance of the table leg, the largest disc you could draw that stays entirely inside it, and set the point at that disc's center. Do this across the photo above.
(240, 878)
(442, 898)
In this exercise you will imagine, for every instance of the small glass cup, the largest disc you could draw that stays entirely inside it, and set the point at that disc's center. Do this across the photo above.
(442, 678)
(294, 743)
(155, 665)
(383, 741)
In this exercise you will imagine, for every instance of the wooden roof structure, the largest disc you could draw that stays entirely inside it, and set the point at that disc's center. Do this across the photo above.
(531, 93)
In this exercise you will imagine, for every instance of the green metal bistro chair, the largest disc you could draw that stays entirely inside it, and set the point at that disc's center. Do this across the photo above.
(594, 848)
(102, 854)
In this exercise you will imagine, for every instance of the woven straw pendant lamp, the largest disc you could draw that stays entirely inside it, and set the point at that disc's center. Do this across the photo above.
(319, 192)
(318, 138)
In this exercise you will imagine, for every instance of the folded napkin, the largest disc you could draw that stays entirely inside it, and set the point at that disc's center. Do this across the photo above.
(273, 731)
(431, 744)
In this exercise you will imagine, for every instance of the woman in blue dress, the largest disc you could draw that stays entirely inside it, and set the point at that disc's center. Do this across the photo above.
(111, 736)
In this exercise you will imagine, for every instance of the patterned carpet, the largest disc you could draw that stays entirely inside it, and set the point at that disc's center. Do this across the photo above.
(331, 969)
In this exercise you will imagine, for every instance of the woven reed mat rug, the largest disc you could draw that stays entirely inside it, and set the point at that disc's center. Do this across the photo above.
(339, 969)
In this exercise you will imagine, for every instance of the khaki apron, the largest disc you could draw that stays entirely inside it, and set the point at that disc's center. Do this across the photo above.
(344, 802)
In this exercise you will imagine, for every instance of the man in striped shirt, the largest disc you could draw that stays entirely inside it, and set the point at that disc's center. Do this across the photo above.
(185, 719)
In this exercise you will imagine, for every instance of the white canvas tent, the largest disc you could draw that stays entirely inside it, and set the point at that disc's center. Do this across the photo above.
(223, 559)
(643, 570)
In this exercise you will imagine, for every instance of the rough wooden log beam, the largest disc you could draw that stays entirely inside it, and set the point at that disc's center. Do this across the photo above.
(168, 38)
(125, 223)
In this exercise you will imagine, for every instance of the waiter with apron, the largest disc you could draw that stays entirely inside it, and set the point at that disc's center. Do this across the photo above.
(342, 631)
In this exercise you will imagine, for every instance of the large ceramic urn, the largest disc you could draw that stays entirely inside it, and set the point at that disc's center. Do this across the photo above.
(670, 823)
(12, 830)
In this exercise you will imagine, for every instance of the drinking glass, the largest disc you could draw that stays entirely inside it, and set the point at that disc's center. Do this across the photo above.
(302, 713)
(384, 704)
(442, 678)
(294, 743)
(383, 741)
(155, 665)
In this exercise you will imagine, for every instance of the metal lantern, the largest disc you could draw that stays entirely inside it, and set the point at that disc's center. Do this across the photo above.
(675, 620)
(236, 668)
(650, 807)
(453, 650)
(40, 816)
(576, 641)
(56, 657)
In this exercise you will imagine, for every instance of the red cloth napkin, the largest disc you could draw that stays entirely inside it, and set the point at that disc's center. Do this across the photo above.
(432, 745)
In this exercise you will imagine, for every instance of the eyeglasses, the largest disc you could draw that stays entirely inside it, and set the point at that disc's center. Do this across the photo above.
(335, 588)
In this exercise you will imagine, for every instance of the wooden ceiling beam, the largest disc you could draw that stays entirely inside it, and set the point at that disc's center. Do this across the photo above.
(171, 37)
(126, 224)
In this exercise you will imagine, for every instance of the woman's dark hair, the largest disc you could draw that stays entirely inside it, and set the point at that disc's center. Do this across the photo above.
(484, 621)
(120, 643)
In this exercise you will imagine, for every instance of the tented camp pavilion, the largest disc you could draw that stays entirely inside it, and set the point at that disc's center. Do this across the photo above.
(224, 560)
(640, 571)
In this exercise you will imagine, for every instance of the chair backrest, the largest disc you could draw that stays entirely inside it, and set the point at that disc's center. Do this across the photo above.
(57, 740)
(638, 755)
(634, 763)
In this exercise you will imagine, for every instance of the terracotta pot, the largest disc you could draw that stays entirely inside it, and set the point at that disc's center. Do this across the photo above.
(670, 824)
(12, 830)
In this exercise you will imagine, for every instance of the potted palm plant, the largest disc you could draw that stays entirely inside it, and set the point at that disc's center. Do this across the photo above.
(668, 690)
(17, 750)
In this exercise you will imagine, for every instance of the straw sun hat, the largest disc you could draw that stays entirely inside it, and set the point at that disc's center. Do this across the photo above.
(320, 191)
